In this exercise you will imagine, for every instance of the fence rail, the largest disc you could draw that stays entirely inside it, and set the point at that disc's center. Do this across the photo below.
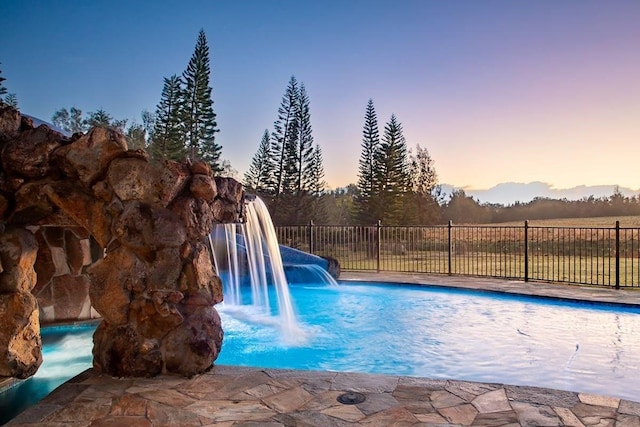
(603, 256)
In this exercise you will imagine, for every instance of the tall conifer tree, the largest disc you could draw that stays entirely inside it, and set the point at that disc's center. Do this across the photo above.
(317, 186)
(392, 173)
(198, 116)
(259, 176)
(297, 166)
(284, 138)
(304, 149)
(168, 132)
(366, 206)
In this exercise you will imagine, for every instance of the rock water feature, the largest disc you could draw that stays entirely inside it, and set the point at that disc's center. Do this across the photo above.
(248, 254)
(155, 286)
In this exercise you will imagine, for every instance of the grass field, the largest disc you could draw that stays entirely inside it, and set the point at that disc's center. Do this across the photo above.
(602, 221)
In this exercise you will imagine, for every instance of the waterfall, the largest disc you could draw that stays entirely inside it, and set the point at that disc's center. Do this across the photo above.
(250, 252)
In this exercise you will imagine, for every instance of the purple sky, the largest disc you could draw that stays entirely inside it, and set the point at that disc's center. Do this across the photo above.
(498, 91)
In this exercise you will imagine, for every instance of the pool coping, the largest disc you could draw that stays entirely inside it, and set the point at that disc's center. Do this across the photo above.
(623, 296)
(276, 397)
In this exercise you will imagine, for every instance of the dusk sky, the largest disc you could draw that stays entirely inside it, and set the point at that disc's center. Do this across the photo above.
(497, 91)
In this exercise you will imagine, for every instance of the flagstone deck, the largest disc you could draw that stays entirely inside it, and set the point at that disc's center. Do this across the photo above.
(240, 396)
(237, 396)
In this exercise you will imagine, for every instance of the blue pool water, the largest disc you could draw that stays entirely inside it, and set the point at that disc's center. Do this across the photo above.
(418, 331)
(444, 333)
(66, 352)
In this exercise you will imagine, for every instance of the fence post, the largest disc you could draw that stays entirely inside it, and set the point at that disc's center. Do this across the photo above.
(310, 236)
(449, 246)
(526, 250)
(378, 246)
(617, 254)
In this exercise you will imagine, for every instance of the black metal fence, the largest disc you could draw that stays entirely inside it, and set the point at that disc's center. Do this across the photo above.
(597, 256)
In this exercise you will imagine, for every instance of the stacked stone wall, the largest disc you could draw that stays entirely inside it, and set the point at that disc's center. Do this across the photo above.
(62, 287)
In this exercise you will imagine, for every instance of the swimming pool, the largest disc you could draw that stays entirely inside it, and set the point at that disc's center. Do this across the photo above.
(448, 333)
(414, 330)
(66, 352)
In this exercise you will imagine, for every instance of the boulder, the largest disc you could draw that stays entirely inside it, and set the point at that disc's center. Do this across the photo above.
(145, 229)
(122, 352)
(9, 122)
(202, 333)
(133, 179)
(85, 210)
(29, 154)
(196, 216)
(88, 157)
(18, 252)
(203, 187)
(20, 342)
(114, 280)
(32, 203)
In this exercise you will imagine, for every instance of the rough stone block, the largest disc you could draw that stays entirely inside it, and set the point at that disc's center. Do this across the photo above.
(20, 342)
(112, 281)
(74, 253)
(18, 252)
(88, 157)
(69, 295)
(44, 266)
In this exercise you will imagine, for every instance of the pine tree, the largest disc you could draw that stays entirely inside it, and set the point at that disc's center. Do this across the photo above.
(101, 118)
(259, 176)
(198, 116)
(317, 186)
(168, 130)
(3, 90)
(304, 147)
(284, 138)
(392, 173)
(11, 100)
(367, 211)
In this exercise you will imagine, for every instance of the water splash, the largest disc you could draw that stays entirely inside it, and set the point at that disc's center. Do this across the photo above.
(250, 252)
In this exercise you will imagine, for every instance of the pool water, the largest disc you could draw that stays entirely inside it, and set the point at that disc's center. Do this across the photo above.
(66, 352)
(448, 333)
(406, 330)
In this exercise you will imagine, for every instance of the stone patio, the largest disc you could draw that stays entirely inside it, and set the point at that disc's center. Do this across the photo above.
(240, 396)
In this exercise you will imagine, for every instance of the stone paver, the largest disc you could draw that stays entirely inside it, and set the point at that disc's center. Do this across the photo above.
(249, 397)
(279, 398)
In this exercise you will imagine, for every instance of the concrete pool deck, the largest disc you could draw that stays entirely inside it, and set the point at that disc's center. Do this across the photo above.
(240, 396)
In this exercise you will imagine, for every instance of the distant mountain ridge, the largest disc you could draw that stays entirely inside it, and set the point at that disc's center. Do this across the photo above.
(508, 193)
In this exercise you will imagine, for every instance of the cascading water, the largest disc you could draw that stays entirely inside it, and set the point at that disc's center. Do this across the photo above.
(250, 252)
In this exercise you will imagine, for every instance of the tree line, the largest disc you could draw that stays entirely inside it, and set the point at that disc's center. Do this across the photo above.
(461, 208)
(394, 185)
